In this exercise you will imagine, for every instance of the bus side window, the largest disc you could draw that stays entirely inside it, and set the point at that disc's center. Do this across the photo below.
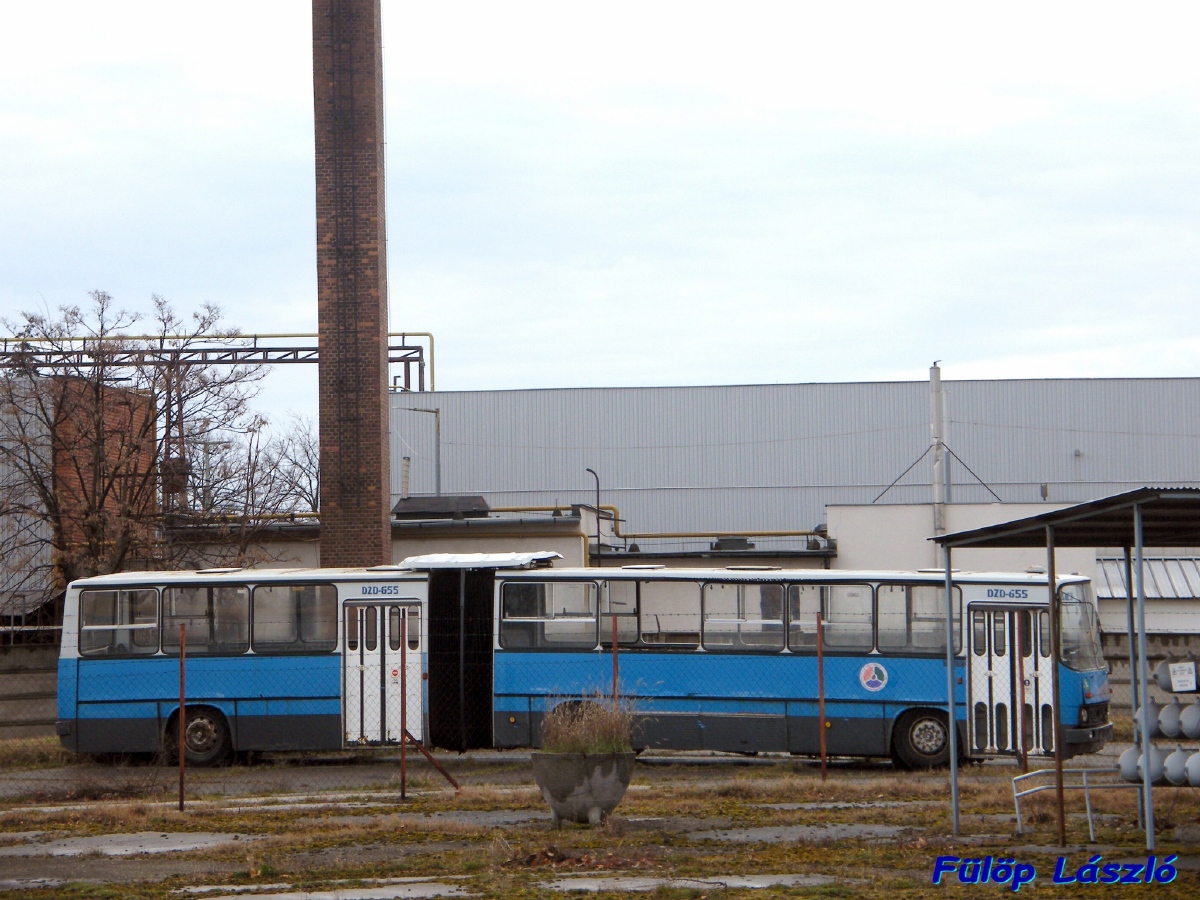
(411, 630)
(848, 618)
(217, 618)
(573, 612)
(927, 610)
(913, 617)
(670, 613)
(618, 598)
(414, 628)
(118, 623)
(521, 605)
(548, 615)
(804, 602)
(187, 606)
(295, 618)
(394, 627)
(734, 616)
(351, 627)
(979, 633)
(893, 616)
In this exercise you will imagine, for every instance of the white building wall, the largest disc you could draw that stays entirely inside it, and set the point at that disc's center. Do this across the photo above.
(897, 537)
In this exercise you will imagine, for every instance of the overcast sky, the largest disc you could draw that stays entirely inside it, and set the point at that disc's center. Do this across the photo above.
(639, 193)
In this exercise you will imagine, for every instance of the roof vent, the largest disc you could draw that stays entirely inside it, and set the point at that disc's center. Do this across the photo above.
(467, 506)
(732, 543)
(1034, 570)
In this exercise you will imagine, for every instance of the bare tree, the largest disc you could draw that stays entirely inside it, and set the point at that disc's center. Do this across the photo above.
(296, 455)
(94, 442)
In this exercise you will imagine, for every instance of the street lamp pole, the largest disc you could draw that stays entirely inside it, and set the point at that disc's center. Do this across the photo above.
(437, 448)
(599, 556)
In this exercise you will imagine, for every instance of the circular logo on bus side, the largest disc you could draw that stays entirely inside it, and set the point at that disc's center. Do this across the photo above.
(873, 677)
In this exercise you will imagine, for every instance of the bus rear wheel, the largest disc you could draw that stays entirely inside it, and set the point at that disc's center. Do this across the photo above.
(921, 739)
(205, 737)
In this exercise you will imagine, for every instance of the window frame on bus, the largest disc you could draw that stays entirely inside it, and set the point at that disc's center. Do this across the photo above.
(672, 638)
(120, 650)
(298, 646)
(740, 618)
(909, 648)
(824, 589)
(624, 619)
(537, 635)
(208, 647)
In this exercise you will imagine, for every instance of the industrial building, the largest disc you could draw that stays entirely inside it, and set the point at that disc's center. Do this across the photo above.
(772, 457)
(836, 475)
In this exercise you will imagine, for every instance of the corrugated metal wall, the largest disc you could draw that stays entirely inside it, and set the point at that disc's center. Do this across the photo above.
(771, 457)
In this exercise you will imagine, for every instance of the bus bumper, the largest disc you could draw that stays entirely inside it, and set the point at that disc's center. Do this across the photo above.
(1078, 741)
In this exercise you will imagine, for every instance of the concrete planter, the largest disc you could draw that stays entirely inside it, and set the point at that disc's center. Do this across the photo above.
(582, 787)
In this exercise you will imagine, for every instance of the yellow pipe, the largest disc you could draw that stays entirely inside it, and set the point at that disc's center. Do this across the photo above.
(616, 514)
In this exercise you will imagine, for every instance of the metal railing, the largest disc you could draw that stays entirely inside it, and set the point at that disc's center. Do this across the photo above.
(1086, 786)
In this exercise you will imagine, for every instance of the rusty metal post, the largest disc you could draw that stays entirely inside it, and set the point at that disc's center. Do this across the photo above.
(182, 717)
(404, 703)
(616, 665)
(821, 726)
(1018, 616)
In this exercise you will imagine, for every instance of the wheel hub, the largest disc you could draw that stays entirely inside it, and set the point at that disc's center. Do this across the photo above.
(200, 734)
(928, 736)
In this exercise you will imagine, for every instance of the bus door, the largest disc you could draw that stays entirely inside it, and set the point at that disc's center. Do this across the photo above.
(1010, 680)
(371, 701)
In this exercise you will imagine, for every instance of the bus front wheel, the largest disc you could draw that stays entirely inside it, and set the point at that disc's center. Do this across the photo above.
(205, 737)
(921, 740)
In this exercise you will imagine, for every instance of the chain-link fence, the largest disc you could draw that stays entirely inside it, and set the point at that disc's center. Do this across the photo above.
(287, 699)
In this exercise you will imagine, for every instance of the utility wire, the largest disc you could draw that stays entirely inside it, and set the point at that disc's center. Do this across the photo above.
(973, 475)
(906, 471)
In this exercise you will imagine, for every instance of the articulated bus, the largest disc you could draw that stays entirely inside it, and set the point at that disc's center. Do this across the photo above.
(710, 659)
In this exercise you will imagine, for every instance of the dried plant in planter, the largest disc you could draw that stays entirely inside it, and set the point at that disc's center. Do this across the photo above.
(586, 759)
(588, 726)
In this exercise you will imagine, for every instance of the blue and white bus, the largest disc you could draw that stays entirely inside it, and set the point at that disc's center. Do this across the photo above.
(712, 659)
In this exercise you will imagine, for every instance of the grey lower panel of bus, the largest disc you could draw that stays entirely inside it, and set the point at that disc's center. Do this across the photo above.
(287, 732)
(142, 735)
(727, 733)
(114, 736)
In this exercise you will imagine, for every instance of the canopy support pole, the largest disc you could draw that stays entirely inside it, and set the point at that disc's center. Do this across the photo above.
(1143, 677)
(1055, 645)
(1133, 657)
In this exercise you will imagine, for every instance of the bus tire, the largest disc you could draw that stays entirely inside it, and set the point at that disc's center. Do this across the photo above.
(921, 740)
(205, 737)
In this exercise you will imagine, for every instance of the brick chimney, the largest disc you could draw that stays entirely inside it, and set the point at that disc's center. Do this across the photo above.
(352, 311)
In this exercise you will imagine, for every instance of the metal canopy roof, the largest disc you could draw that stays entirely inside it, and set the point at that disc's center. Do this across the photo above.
(1176, 578)
(1170, 518)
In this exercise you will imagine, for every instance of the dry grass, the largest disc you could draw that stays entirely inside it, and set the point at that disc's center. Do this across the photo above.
(34, 753)
(588, 726)
(327, 849)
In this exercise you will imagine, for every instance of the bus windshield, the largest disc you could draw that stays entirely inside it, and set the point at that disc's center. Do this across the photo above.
(1080, 630)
